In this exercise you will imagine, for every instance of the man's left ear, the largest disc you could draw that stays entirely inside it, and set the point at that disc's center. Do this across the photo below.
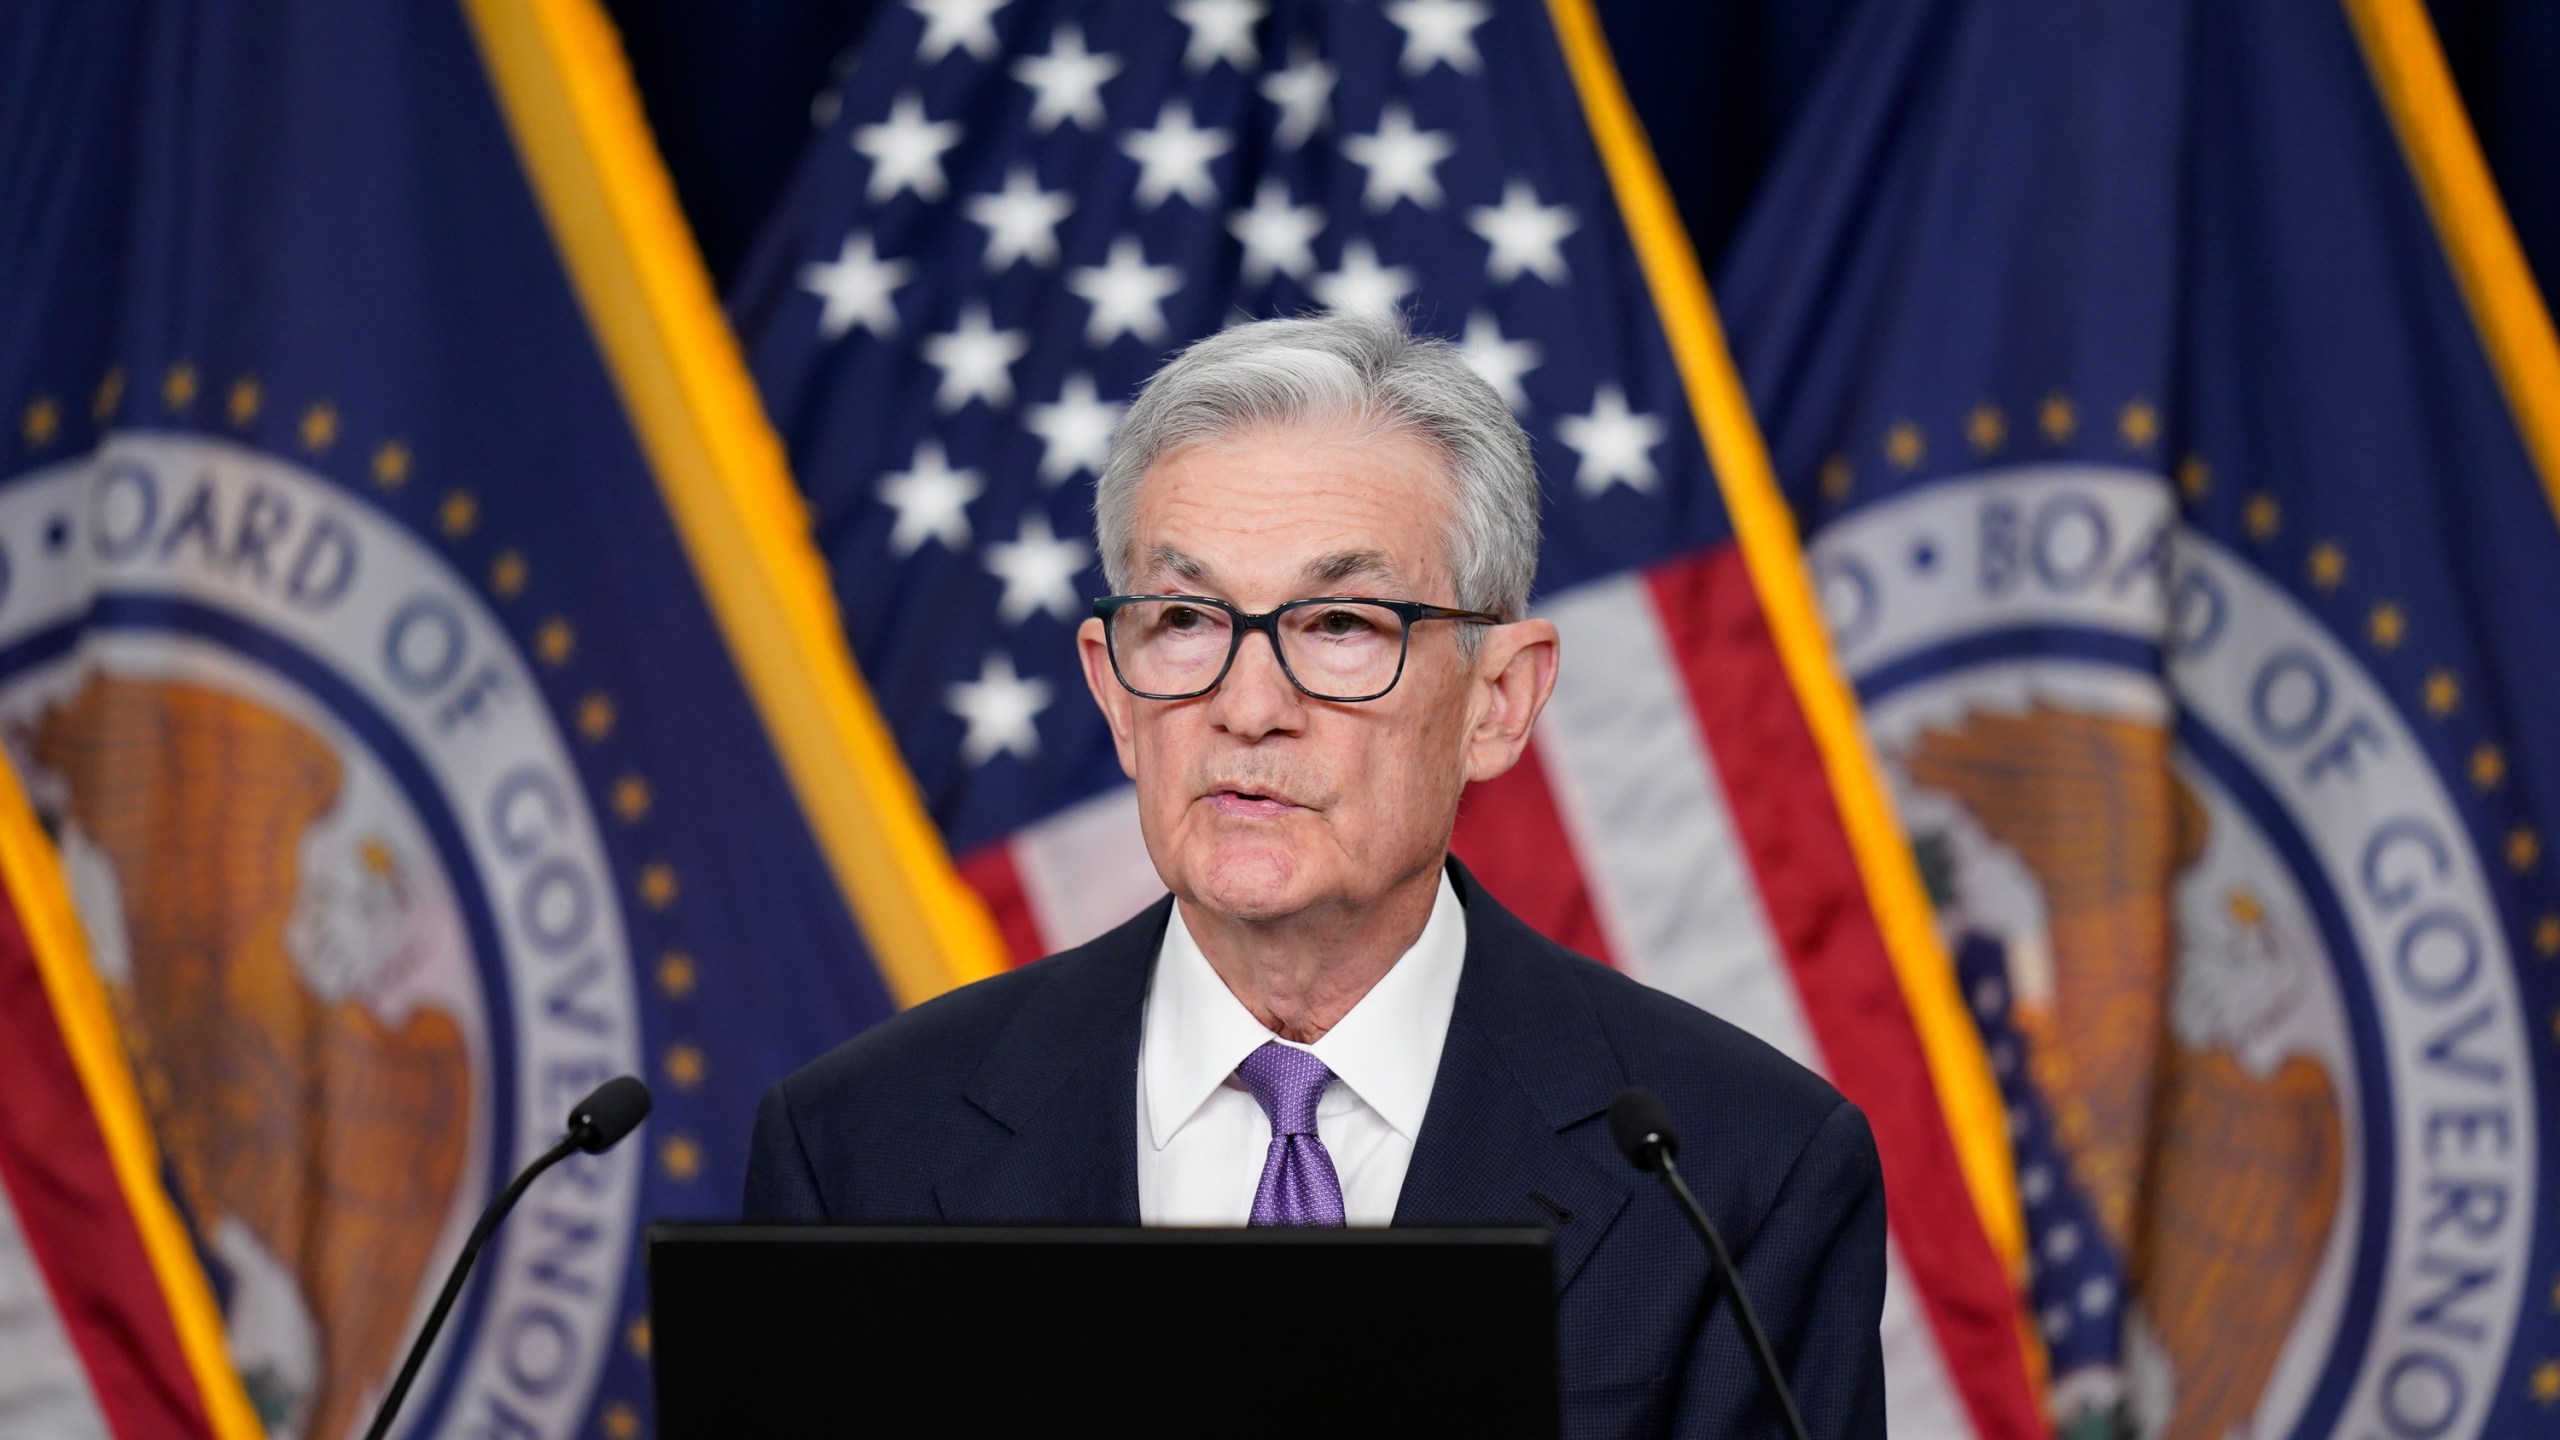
(1515, 673)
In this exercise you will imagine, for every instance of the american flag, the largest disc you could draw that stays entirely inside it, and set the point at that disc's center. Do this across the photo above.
(1013, 210)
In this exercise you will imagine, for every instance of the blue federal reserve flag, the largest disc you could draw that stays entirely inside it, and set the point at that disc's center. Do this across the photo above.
(2170, 419)
(369, 574)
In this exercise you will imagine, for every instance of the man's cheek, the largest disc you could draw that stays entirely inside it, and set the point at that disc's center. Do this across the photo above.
(1157, 743)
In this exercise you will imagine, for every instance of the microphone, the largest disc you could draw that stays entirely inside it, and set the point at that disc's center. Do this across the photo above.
(596, 1124)
(1641, 1125)
(614, 1110)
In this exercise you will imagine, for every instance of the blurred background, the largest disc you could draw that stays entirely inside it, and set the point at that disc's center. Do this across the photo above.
(1718, 84)
(542, 538)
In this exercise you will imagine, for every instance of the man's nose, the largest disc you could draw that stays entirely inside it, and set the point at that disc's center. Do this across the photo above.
(1256, 698)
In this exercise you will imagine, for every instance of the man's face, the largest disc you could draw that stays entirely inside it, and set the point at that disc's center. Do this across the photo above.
(1256, 800)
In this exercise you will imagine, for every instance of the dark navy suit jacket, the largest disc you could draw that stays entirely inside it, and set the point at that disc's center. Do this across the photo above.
(1014, 1100)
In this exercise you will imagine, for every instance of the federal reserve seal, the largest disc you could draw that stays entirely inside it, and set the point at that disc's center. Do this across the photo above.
(2234, 950)
(354, 909)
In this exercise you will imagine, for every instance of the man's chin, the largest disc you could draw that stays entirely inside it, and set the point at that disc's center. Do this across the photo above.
(1252, 883)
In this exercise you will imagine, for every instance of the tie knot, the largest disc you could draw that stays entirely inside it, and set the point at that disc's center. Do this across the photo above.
(1287, 1082)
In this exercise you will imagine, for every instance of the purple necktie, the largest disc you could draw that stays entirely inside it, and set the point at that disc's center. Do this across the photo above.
(1298, 1184)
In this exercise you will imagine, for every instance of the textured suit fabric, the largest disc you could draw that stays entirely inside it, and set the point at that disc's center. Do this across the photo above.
(1012, 1101)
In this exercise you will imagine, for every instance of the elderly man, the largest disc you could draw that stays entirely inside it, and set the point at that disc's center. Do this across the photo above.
(1324, 532)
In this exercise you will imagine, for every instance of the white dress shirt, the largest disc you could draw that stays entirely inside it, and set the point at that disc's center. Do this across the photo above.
(1202, 1137)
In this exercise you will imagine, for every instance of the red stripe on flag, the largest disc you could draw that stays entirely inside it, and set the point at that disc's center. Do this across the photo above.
(54, 1163)
(990, 871)
(1789, 825)
(1512, 836)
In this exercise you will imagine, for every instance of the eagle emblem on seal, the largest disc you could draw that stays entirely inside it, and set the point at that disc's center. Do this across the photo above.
(315, 1145)
(2217, 1179)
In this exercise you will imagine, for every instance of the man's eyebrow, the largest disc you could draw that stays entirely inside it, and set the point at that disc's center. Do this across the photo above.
(1325, 571)
(1174, 562)
(1344, 565)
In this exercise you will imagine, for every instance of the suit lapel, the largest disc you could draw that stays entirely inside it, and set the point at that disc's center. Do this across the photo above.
(1525, 1060)
(1061, 1079)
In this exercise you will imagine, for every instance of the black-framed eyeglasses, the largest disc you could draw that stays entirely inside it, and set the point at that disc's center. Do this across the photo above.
(1343, 648)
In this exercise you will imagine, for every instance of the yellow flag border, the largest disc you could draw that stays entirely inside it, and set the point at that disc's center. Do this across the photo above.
(1774, 555)
(561, 79)
(31, 869)
(2401, 49)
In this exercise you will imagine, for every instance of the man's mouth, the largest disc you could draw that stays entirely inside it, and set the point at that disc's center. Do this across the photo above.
(1249, 804)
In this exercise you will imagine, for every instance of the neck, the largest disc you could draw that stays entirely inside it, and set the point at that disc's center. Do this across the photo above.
(1300, 975)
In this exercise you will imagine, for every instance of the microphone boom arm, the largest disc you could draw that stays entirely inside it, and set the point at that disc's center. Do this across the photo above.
(1757, 1337)
(454, 1281)
(612, 1111)
(1641, 1126)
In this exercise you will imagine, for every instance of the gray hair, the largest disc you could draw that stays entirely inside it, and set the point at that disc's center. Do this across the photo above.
(1363, 371)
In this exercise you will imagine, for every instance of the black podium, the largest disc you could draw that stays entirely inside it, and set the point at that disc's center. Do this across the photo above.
(788, 1331)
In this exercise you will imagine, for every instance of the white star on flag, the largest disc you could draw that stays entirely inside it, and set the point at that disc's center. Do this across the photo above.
(1021, 220)
(957, 24)
(1220, 30)
(1276, 235)
(1039, 570)
(1613, 442)
(1362, 286)
(932, 501)
(976, 361)
(1074, 432)
(1402, 161)
(999, 708)
(1525, 235)
(1173, 158)
(1127, 294)
(858, 288)
(1501, 362)
(1438, 30)
(906, 151)
(1303, 93)
(1066, 83)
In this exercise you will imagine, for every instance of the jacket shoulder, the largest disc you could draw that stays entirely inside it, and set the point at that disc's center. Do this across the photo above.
(940, 1043)
(1753, 1122)
(865, 1131)
(1732, 1094)
(1696, 1061)
(1670, 1045)
(941, 1037)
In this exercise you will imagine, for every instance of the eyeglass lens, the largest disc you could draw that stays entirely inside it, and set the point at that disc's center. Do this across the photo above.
(1337, 650)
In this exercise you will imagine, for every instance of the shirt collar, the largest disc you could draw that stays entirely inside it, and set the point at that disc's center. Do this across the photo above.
(1386, 1050)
